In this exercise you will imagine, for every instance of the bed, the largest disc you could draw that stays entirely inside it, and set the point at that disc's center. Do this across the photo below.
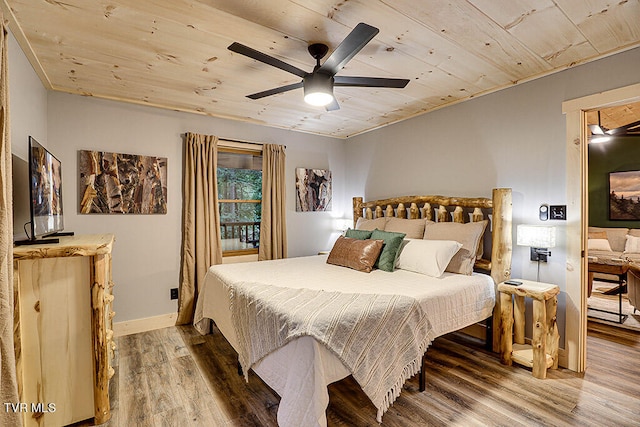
(374, 326)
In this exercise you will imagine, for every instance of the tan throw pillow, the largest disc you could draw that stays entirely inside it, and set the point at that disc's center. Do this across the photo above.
(633, 245)
(468, 234)
(597, 235)
(413, 228)
(371, 224)
(617, 237)
(598, 245)
(357, 254)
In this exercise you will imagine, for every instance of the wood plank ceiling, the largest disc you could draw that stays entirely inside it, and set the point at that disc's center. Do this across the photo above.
(173, 53)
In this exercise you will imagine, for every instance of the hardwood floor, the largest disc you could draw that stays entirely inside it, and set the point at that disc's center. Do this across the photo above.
(175, 377)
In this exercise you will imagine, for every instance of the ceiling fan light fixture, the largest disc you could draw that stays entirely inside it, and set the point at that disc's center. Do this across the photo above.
(318, 99)
(318, 90)
(599, 138)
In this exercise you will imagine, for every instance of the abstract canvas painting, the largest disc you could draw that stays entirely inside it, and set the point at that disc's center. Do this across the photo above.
(624, 195)
(114, 183)
(313, 190)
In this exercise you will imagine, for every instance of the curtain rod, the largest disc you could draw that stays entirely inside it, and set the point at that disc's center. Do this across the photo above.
(243, 141)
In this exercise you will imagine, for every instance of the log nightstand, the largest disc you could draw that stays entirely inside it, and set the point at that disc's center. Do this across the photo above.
(543, 351)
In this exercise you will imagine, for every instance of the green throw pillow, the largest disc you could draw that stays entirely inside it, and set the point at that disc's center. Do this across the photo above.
(358, 234)
(392, 242)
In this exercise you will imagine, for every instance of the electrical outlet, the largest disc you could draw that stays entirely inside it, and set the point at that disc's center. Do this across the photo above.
(174, 293)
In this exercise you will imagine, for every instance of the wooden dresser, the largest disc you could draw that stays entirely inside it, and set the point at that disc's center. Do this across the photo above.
(63, 329)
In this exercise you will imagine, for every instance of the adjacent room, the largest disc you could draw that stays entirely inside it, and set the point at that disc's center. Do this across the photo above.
(288, 213)
(613, 295)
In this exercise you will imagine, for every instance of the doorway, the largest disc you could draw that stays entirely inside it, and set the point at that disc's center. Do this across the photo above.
(613, 169)
(577, 216)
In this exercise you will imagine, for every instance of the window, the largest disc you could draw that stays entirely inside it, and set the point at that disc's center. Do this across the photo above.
(239, 176)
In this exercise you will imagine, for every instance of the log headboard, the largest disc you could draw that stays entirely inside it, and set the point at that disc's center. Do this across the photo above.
(443, 209)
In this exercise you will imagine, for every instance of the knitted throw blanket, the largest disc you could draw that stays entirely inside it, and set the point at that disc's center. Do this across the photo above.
(379, 338)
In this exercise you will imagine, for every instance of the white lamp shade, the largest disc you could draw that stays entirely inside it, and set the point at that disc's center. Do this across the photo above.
(536, 236)
(318, 99)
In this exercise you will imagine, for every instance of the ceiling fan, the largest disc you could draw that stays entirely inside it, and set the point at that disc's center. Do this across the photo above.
(318, 85)
(600, 133)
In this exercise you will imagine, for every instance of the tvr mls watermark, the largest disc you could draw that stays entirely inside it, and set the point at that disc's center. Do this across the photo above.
(30, 407)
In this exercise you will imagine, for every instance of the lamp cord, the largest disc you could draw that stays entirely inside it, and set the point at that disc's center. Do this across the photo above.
(24, 227)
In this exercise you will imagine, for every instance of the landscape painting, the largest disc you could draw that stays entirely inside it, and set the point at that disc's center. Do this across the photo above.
(114, 183)
(313, 190)
(624, 195)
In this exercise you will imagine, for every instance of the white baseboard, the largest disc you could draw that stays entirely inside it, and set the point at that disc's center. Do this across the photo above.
(129, 327)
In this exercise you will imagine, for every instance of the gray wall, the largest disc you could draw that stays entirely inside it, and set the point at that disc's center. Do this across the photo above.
(27, 102)
(513, 138)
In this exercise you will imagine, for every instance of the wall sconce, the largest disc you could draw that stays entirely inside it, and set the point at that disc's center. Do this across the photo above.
(539, 238)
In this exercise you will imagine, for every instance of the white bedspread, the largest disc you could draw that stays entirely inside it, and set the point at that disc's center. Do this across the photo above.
(301, 370)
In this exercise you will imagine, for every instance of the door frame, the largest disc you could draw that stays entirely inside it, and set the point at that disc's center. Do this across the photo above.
(577, 215)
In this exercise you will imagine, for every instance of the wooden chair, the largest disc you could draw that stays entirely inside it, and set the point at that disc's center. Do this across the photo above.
(633, 286)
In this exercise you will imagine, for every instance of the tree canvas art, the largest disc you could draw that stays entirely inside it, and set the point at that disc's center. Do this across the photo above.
(624, 195)
(313, 190)
(113, 183)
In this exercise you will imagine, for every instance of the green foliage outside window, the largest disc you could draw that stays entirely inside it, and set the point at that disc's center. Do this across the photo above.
(239, 184)
(239, 194)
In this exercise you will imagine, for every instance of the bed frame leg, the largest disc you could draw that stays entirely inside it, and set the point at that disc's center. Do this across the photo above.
(488, 343)
(422, 375)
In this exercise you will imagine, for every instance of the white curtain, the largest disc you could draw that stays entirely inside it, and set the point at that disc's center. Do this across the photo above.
(201, 243)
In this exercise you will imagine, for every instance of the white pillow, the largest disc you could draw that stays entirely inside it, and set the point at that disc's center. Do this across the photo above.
(633, 245)
(599, 245)
(429, 257)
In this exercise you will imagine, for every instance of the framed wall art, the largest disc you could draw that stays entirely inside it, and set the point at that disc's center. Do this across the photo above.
(114, 183)
(624, 196)
(313, 190)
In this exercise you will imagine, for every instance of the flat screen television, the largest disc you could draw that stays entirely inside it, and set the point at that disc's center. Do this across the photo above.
(45, 194)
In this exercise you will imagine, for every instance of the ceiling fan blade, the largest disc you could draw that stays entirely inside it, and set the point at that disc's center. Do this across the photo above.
(596, 130)
(350, 46)
(333, 106)
(275, 91)
(369, 82)
(269, 60)
(631, 128)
